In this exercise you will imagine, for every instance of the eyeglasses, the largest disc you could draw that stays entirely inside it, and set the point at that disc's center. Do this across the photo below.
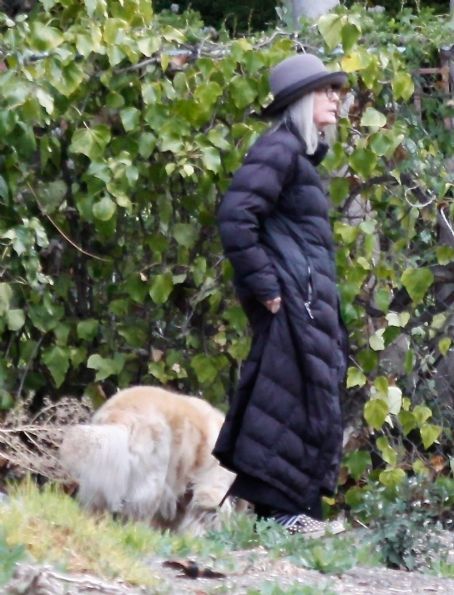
(331, 92)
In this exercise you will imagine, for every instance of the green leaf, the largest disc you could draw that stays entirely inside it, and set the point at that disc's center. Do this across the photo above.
(130, 118)
(199, 270)
(147, 144)
(4, 191)
(236, 318)
(161, 288)
(350, 34)
(403, 86)
(43, 317)
(399, 319)
(382, 386)
(359, 59)
(347, 233)
(15, 319)
(185, 234)
(409, 361)
(376, 341)
(445, 254)
(394, 399)
(149, 45)
(388, 454)
(357, 463)
(417, 282)
(408, 421)
(104, 209)
(134, 335)
(391, 478)
(48, 4)
(96, 7)
(51, 195)
(363, 161)
(43, 38)
(330, 27)
(208, 93)
(242, 92)
(6, 294)
(373, 118)
(375, 413)
(77, 356)
(106, 367)
(205, 368)
(383, 298)
(115, 31)
(444, 345)
(87, 329)
(420, 469)
(367, 359)
(57, 361)
(6, 402)
(25, 140)
(91, 141)
(89, 41)
(380, 143)
(421, 413)
(66, 79)
(216, 136)
(339, 189)
(355, 377)
(354, 496)
(385, 142)
(429, 434)
(211, 158)
(46, 100)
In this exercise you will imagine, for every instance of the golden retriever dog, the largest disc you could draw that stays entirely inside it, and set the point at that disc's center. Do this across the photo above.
(147, 455)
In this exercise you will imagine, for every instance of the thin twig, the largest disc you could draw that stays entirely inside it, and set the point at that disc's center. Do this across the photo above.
(361, 523)
(27, 367)
(62, 233)
(31, 428)
(446, 222)
(87, 583)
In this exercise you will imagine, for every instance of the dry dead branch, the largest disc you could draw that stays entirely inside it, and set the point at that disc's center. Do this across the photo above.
(30, 443)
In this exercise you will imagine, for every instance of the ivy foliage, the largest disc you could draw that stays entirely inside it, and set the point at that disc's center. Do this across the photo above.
(234, 14)
(119, 131)
(256, 15)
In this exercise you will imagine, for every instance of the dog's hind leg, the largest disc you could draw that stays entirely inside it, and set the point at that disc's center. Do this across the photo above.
(149, 452)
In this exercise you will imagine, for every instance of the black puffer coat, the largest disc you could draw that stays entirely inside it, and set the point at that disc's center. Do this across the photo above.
(284, 424)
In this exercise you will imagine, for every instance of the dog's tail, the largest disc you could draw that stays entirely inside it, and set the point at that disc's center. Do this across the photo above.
(97, 458)
(120, 467)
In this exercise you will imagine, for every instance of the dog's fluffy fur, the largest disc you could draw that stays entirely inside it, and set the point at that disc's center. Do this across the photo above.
(147, 455)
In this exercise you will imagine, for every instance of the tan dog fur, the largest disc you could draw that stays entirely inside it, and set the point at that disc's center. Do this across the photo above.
(147, 455)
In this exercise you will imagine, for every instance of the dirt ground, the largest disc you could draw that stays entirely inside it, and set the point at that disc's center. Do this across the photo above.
(251, 571)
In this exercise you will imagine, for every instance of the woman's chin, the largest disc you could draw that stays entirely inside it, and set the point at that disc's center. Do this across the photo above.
(326, 122)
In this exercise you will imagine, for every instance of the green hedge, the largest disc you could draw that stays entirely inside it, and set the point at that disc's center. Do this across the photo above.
(114, 155)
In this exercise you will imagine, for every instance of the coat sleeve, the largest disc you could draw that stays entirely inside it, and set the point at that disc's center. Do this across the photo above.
(252, 195)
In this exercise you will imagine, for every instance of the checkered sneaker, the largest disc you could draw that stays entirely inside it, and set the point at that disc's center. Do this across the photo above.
(303, 524)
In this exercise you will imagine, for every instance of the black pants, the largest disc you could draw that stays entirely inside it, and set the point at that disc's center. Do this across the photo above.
(267, 499)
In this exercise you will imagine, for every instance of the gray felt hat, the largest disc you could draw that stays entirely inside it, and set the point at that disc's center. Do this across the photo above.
(295, 76)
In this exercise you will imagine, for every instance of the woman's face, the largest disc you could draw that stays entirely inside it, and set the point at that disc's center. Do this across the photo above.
(326, 104)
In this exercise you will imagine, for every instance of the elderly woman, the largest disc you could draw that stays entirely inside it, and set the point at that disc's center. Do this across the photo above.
(283, 432)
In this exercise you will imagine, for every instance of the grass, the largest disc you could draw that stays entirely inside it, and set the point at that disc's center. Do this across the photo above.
(46, 526)
(56, 531)
(8, 558)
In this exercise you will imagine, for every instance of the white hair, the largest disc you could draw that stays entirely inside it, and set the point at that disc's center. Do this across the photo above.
(301, 114)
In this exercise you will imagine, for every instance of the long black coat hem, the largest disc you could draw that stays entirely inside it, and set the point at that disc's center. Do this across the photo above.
(311, 490)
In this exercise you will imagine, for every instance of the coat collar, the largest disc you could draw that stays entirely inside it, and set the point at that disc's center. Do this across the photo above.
(320, 152)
